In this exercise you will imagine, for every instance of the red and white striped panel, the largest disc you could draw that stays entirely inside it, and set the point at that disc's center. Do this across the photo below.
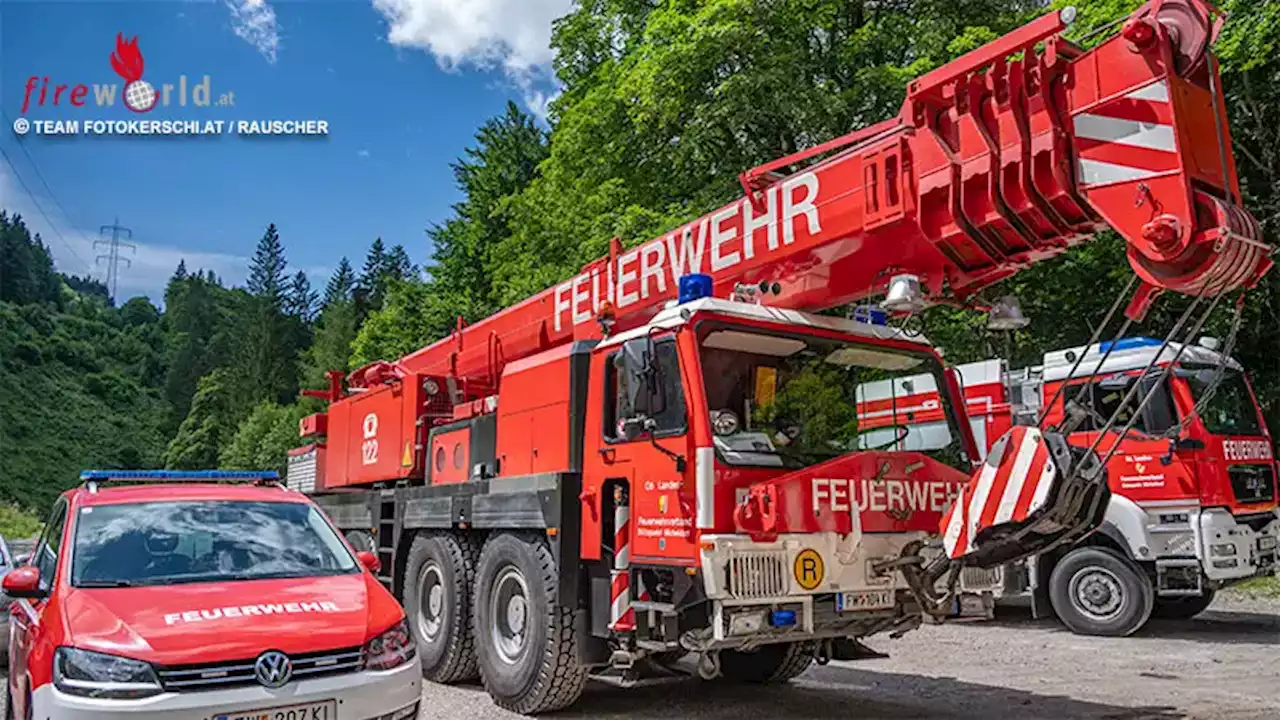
(1014, 482)
(622, 616)
(1129, 138)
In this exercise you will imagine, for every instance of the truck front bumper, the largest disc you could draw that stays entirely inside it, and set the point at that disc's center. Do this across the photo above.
(1230, 550)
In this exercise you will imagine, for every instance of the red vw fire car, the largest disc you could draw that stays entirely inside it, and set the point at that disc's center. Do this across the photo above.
(202, 596)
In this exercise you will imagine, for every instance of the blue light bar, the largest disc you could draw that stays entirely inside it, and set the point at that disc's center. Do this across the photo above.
(179, 475)
(782, 618)
(694, 287)
(1128, 344)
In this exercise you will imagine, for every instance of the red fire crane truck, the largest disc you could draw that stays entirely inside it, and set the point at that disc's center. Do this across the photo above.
(658, 455)
(1193, 485)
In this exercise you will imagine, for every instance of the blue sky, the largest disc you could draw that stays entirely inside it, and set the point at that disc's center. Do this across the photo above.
(403, 85)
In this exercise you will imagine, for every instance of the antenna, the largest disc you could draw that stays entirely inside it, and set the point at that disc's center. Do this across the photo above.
(112, 255)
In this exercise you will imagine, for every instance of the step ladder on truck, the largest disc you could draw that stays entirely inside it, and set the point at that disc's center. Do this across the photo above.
(1194, 505)
(658, 456)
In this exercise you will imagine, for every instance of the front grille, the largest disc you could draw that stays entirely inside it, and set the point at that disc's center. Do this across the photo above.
(215, 676)
(757, 574)
(1252, 483)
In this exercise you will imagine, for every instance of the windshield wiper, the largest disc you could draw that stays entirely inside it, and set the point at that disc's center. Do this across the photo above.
(106, 584)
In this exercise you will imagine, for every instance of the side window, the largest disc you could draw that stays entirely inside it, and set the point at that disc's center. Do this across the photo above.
(48, 548)
(617, 405)
(1107, 394)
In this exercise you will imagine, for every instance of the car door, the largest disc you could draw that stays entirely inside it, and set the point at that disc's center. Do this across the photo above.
(25, 615)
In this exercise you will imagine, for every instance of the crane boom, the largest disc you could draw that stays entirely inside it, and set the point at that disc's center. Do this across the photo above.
(1006, 156)
(992, 164)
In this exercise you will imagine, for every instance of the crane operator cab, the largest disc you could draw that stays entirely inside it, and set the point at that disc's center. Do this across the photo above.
(734, 428)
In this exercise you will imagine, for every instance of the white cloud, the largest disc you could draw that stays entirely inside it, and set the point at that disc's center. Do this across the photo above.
(362, 153)
(254, 21)
(514, 35)
(152, 264)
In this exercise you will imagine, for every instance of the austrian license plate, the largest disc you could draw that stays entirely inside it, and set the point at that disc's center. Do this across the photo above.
(324, 710)
(864, 600)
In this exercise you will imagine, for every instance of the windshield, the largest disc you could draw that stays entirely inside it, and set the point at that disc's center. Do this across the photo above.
(786, 400)
(161, 543)
(1230, 410)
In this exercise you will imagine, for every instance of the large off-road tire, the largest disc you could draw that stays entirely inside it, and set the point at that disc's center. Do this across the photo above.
(1098, 591)
(769, 664)
(526, 642)
(1182, 608)
(438, 581)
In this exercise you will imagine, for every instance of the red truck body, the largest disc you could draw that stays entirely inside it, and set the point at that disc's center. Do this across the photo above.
(633, 458)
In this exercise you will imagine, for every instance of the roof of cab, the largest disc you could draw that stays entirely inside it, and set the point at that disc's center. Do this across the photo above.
(180, 491)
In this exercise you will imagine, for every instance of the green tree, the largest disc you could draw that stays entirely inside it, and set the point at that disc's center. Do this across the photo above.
(207, 426)
(26, 267)
(264, 438)
(301, 301)
(266, 343)
(341, 284)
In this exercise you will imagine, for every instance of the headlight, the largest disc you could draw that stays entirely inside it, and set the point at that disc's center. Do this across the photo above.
(392, 648)
(95, 675)
(1222, 549)
(724, 422)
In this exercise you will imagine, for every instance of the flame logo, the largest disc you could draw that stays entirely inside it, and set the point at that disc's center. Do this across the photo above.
(127, 59)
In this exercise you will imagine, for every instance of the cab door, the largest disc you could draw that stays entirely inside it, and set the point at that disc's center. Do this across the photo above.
(645, 458)
(25, 626)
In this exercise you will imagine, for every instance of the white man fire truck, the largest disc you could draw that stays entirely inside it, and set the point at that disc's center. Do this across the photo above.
(658, 455)
(1193, 482)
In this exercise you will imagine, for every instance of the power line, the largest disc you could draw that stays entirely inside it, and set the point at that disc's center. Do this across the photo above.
(40, 208)
(113, 253)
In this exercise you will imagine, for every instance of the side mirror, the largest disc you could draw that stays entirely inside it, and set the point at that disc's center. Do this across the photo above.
(23, 582)
(21, 559)
(370, 561)
(643, 377)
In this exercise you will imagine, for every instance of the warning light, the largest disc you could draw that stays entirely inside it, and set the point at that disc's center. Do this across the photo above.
(694, 287)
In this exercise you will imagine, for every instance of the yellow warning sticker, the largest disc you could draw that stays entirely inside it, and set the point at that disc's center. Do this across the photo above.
(407, 459)
(808, 569)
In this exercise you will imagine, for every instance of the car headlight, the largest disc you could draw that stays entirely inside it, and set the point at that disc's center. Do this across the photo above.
(392, 648)
(724, 422)
(96, 675)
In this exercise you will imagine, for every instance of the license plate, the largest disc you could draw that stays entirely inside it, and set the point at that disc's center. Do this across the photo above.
(324, 710)
(864, 600)
(1266, 543)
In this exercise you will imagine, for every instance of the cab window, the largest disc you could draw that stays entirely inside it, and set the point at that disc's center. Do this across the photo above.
(48, 548)
(1105, 395)
(671, 420)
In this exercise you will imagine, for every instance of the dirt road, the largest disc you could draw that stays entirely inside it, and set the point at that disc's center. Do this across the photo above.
(1224, 664)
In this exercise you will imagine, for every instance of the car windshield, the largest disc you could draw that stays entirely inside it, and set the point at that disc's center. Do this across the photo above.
(785, 400)
(162, 543)
(1230, 410)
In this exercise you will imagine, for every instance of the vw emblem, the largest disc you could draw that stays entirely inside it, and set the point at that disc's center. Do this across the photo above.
(273, 669)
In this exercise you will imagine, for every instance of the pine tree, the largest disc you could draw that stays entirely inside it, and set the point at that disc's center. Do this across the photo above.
(371, 287)
(302, 299)
(181, 272)
(398, 266)
(206, 428)
(341, 285)
(267, 270)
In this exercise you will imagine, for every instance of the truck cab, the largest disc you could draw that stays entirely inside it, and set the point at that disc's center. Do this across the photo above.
(1193, 503)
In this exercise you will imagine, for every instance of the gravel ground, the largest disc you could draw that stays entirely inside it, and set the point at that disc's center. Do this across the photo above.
(1222, 664)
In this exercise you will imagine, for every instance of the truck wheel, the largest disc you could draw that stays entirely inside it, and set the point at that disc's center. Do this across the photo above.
(1096, 591)
(438, 580)
(775, 663)
(1183, 608)
(526, 642)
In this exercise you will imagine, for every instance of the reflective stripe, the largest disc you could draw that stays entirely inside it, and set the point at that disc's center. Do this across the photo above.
(1013, 488)
(1125, 132)
(1156, 92)
(704, 470)
(1096, 172)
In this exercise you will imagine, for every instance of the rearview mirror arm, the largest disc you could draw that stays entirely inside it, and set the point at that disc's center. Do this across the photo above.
(649, 425)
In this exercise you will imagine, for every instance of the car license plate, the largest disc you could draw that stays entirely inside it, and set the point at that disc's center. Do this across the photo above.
(324, 710)
(864, 600)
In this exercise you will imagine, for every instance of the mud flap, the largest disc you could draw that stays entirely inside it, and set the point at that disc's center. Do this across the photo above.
(1033, 493)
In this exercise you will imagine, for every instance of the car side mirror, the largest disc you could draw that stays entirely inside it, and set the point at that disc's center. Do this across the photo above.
(21, 559)
(23, 582)
(370, 561)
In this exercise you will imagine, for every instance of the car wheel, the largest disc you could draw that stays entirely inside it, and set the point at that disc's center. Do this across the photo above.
(1097, 591)
(526, 642)
(439, 577)
(769, 664)
(1183, 608)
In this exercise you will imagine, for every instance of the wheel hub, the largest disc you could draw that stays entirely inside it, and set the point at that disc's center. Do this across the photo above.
(431, 605)
(1097, 593)
(509, 608)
